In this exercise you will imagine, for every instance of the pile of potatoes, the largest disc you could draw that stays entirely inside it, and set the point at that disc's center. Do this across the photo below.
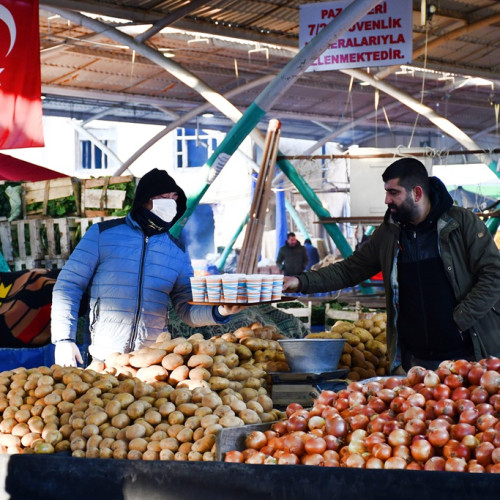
(267, 354)
(56, 409)
(365, 352)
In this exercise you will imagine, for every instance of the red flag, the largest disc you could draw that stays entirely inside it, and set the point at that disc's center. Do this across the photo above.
(20, 83)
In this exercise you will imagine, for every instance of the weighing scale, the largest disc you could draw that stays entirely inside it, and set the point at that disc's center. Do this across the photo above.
(304, 388)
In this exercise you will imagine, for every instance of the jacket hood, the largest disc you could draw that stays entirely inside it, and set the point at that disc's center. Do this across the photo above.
(157, 182)
(441, 201)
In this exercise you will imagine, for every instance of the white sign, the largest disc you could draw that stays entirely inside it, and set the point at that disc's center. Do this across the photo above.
(382, 38)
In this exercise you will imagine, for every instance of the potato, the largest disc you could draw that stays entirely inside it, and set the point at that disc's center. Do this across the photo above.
(204, 444)
(178, 375)
(211, 400)
(363, 334)
(218, 383)
(229, 421)
(200, 360)
(176, 417)
(163, 336)
(252, 382)
(135, 410)
(185, 435)
(229, 337)
(205, 347)
(179, 396)
(256, 407)
(237, 405)
(222, 410)
(199, 373)
(97, 418)
(232, 360)
(183, 348)
(238, 373)
(352, 339)
(266, 402)
(193, 384)
(138, 444)
(152, 373)
(376, 347)
(142, 389)
(135, 431)
(187, 409)
(172, 361)
(248, 416)
(243, 352)
(220, 370)
(342, 327)
(147, 358)
(249, 394)
(353, 376)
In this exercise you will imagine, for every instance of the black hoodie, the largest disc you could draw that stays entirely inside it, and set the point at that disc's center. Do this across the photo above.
(426, 300)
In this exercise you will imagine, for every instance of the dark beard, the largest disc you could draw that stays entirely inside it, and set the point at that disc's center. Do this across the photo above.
(403, 214)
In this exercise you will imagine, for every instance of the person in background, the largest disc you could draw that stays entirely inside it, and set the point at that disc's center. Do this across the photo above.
(441, 273)
(312, 253)
(131, 269)
(292, 256)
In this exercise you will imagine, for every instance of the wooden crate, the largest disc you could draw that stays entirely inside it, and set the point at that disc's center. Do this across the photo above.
(98, 198)
(45, 243)
(43, 191)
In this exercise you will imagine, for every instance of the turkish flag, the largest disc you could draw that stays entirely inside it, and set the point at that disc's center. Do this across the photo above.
(20, 82)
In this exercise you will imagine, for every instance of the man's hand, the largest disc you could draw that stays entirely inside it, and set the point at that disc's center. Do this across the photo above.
(291, 284)
(228, 310)
(67, 354)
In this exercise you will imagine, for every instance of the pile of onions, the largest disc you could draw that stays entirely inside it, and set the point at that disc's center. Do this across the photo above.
(447, 419)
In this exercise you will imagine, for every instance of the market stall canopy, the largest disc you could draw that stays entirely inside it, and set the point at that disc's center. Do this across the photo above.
(13, 169)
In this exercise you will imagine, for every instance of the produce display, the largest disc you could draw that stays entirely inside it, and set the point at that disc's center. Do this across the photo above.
(447, 419)
(163, 402)
(365, 352)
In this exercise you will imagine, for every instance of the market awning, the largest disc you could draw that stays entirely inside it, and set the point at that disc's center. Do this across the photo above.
(13, 169)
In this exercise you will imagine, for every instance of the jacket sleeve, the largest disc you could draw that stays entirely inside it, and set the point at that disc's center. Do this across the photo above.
(361, 265)
(71, 284)
(305, 258)
(280, 258)
(181, 294)
(484, 264)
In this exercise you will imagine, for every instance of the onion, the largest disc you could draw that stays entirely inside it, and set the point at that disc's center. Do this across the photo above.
(374, 463)
(316, 422)
(382, 451)
(438, 437)
(255, 440)
(293, 444)
(483, 453)
(415, 375)
(431, 379)
(315, 445)
(288, 459)
(355, 461)
(234, 457)
(490, 380)
(415, 426)
(492, 363)
(293, 407)
(474, 466)
(395, 463)
(435, 463)
(454, 464)
(421, 450)
(459, 431)
(441, 391)
(336, 427)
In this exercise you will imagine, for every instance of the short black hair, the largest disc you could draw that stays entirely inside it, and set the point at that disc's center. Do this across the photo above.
(307, 240)
(290, 234)
(410, 172)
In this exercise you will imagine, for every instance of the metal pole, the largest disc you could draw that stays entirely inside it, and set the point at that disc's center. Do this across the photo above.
(229, 246)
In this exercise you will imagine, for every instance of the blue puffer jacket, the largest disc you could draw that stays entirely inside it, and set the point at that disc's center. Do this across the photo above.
(131, 279)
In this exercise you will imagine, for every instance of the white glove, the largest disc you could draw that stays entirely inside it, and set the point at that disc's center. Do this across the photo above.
(67, 354)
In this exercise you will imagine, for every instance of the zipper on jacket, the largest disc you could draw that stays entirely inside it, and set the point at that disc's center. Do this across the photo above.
(133, 334)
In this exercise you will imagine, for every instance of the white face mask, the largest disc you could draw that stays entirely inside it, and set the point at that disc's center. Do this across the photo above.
(165, 208)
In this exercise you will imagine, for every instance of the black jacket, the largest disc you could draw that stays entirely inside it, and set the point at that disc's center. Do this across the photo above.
(292, 260)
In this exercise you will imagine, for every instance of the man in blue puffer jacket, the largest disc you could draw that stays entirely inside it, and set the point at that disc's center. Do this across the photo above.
(131, 268)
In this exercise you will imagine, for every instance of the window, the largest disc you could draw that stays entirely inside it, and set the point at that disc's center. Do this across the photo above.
(92, 156)
(194, 147)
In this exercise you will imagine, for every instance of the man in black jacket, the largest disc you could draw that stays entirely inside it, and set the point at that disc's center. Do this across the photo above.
(292, 257)
(441, 272)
